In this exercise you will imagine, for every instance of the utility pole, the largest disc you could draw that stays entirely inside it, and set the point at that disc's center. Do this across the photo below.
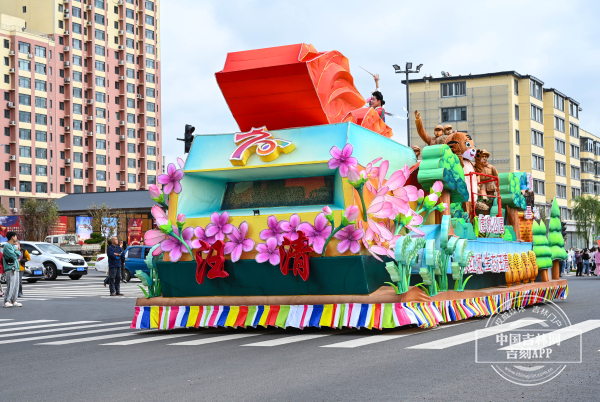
(407, 71)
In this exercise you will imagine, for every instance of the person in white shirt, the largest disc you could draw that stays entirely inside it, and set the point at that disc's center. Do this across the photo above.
(570, 259)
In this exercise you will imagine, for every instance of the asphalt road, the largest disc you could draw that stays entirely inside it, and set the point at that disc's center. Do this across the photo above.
(44, 358)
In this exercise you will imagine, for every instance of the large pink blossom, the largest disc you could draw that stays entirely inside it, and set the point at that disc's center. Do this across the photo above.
(154, 191)
(159, 215)
(317, 234)
(153, 237)
(238, 242)
(290, 228)
(275, 230)
(268, 251)
(170, 181)
(218, 227)
(350, 239)
(200, 235)
(342, 159)
(175, 246)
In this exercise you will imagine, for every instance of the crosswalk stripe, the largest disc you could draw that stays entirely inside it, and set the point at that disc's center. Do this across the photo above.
(552, 338)
(53, 297)
(32, 299)
(293, 339)
(45, 326)
(147, 338)
(35, 338)
(214, 339)
(2, 324)
(92, 338)
(471, 336)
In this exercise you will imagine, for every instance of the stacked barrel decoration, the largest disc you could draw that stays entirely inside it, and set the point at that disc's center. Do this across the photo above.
(525, 227)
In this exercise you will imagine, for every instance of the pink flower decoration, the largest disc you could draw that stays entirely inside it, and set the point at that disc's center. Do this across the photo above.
(420, 194)
(238, 242)
(219, 226)
(349, 237)
(275, 230)
(351, 213)
(268, 251)
(327, 210)
(415, 221)
(181, 218)
(154, 191)
(176, 247)
(318, 233)
(342, 159)
(200, 234)
(170, 181)
(438, 186)
(290, 228)
(153, 237)
(159, 215)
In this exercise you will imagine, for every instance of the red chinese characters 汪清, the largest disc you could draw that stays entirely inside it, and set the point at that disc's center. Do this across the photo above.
(215, 262)
(298, 250)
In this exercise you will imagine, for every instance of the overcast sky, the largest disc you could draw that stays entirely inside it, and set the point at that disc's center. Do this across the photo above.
(556, 41)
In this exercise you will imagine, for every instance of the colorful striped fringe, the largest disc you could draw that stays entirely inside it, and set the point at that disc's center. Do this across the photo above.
(352, 315)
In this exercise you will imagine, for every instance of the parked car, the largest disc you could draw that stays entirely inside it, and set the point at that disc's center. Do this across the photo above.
(55, 260)
(70, 244)
(33, 272)
(135, 260)
(101, 263)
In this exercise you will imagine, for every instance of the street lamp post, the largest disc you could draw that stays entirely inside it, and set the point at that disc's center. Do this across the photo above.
(407, 71)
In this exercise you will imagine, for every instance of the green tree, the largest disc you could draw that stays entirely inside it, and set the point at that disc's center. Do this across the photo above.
(104, 221)
(37, 217)
(555, 238)
(543, 254)
(586, 213)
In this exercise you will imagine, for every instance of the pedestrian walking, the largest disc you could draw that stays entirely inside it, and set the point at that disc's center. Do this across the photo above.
(114, 253)
(578, 262)
(597, 261)
(1, 273)
(570, 257)
(24, 257)
(586, 261)
(10, 261)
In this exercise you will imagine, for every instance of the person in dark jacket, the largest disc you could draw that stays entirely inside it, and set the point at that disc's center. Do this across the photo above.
(114, 253)
(586, 262)
(578, 263)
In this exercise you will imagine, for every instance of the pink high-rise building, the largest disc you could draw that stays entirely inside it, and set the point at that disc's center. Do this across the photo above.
(81, 94)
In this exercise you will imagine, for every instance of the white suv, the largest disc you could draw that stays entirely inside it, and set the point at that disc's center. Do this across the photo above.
(56, 260)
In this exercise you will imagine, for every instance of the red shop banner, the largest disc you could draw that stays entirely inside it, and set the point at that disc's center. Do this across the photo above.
(134, 231)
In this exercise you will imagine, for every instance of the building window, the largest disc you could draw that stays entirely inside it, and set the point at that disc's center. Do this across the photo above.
(559, 124)
(100, 175)
(24, 82)
(40, 85)
(587, 166)
(100, 97)
(131, 178)
(575, 192)
(574, 109)
(41, 170)
(131, 148)
(40, 102)
(99, 65)
(150, 91)
(24, 47)
(575, 172)
(149, 20)
(149, 5)
(560, 146)
(100, 144)
(99, 18)
(517, 137)
(24, 168)
(537, 162)
(454, 89)
(150, 78)
(41, 153)
(537, 138)
(24, 117)
(150, 121)
(587, 145)
(537, 114)
(100, 159)
(98, 34)
(574, 130)
(538, 187)
(559, 102)
(518, 162)
(151, 136)
(516, 87)
(151, 150)
(561, 169)
(41, 136)
(24, 99)
(24, 134)
(536, 90)
(99, 50)
(25, 186)
(149, 35)
(130, 163)
(40, 68)
(78, 189)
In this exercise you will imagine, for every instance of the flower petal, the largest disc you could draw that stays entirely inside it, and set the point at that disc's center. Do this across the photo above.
(175, 254)
(333, 163)
(243, 230)
(214, 218)
(262, 257)
(295, 220)
(181, 163)
(224, 218)
(168, 188)
(307, 228)
(177, 175)
(227, 228)
(169, 244)
(347, 150)
(188, 233)
(343, 246)
(171, 169)
(272, 243)
(247, 245)
(335, 152)
(163, 179)
(152, 237)
(177, 187)
(321, 222)
(397, 179)
(229, 246)
(212, 230)
(234, 235)
(355, 247)
(274, 259)
(236, 253)
(199, 232)
(318, 244)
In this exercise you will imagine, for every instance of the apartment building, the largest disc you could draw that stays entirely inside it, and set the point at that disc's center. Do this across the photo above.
(81, 91)
(525, 127)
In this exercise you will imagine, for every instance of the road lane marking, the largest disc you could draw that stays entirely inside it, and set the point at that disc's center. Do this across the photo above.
(471, 336)
(151, 338)
(35, 338)
(552, 338)
(214, 339)
(24, 322)
(93, 338)
(294, 338)
(46, 326)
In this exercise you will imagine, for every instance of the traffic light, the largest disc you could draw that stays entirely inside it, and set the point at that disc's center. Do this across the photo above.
(563, 229)
(188, 137)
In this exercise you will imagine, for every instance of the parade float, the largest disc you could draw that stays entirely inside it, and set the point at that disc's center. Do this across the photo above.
(311, 215)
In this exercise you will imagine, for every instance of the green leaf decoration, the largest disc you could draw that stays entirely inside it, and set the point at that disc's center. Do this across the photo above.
(149, 258)
(543, 253)
(394, 286)
(393, 271)
(445, 230)
(465, 282)
(466, 258)
(146, 280)
(510, 190)
(144, 290)
(423, 288)
(455, 271)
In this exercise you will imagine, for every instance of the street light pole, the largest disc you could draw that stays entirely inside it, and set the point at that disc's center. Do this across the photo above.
(407, 71)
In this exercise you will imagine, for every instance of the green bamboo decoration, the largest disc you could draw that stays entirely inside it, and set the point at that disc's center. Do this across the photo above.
(151, 282)
(407, 250)
(427, 272)
(461, 260)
